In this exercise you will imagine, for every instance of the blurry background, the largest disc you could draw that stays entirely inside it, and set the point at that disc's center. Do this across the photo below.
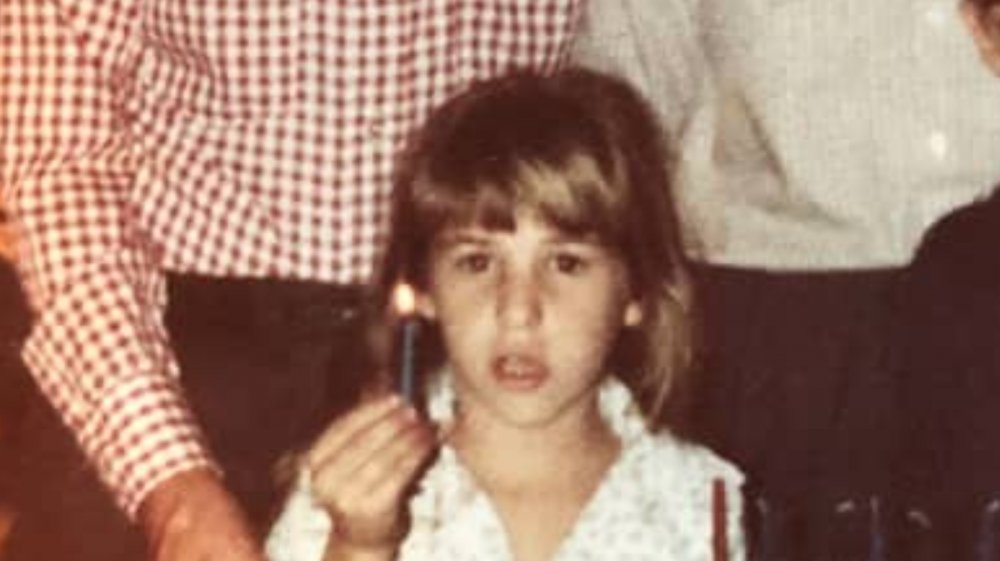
(14, 382)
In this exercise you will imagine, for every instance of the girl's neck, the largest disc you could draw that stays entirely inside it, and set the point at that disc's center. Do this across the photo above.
(539, 479)
(508, 456)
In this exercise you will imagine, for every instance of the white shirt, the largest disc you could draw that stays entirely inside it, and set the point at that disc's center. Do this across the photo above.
(812, 134)
(654, 503)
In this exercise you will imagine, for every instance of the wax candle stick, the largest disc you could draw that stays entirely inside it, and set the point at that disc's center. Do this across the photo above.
(877, 544)
(987, 532)
(411, 327)
(720, 529)
(405, 303)
(767, 539)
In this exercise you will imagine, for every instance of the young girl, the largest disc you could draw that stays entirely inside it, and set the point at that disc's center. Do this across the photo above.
(534, 217)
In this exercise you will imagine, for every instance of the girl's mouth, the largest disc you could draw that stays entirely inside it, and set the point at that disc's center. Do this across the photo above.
(519, 372)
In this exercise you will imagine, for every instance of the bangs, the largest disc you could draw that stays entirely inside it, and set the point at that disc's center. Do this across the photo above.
(573, 194)
(525, 146)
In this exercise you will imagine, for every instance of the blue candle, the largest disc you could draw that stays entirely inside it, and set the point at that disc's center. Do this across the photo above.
(877, 545)
(411, 328)
(405, 304)
(766, 538)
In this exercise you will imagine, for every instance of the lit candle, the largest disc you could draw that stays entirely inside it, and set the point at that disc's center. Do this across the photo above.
(405, 302)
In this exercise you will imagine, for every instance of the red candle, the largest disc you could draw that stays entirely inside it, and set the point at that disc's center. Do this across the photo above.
(720, 530)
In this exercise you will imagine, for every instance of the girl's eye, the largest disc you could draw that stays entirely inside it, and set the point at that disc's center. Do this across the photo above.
(473, 262)
(569, 264)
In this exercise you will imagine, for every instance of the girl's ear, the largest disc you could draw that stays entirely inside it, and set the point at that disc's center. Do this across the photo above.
(425, 306)
(633, 314)
(984, 26)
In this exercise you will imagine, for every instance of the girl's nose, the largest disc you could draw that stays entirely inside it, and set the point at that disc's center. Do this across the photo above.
(519, 299)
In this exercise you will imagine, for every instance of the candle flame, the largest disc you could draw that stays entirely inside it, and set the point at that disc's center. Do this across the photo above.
(404, 299)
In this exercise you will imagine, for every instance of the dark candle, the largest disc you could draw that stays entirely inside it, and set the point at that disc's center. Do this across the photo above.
(409, 332)
(877, 548)
(411, 328)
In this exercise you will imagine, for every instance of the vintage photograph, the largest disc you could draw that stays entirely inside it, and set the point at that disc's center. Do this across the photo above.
(500, 280)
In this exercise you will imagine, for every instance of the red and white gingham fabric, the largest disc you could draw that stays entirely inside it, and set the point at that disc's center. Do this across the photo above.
(226, 137)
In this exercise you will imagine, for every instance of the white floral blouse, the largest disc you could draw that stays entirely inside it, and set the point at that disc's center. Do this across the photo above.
(654, 504)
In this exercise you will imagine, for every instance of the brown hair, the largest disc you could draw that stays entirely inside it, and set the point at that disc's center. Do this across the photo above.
(984, 4)
(479, 159)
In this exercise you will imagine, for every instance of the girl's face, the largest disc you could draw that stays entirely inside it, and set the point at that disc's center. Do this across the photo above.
(528, 318)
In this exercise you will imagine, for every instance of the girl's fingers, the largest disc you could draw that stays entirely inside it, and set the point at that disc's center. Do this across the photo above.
(378, 485)
(397, 461)
(389, 490)
(341, 431)
(366, 445)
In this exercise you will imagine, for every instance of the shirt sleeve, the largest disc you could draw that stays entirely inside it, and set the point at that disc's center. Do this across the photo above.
(98, 348)
(655, 45)
(302, 529)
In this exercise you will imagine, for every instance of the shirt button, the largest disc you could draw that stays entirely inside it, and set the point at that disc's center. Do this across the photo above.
(937, 143)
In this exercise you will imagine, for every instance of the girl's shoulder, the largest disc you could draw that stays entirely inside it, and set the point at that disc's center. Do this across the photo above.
(666, 498)
(670, 462)
(660, 458)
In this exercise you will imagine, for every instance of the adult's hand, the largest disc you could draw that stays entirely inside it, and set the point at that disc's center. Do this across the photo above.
(192, 517)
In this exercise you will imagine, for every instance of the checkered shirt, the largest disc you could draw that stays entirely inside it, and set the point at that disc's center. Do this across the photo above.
(245, 138)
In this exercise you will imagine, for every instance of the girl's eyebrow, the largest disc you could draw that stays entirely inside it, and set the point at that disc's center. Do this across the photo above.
(563, 238)
(558, 237)
(451, 238)
(480, 236)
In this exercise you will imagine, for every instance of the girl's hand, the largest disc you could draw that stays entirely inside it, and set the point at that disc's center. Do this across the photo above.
(362, 467)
